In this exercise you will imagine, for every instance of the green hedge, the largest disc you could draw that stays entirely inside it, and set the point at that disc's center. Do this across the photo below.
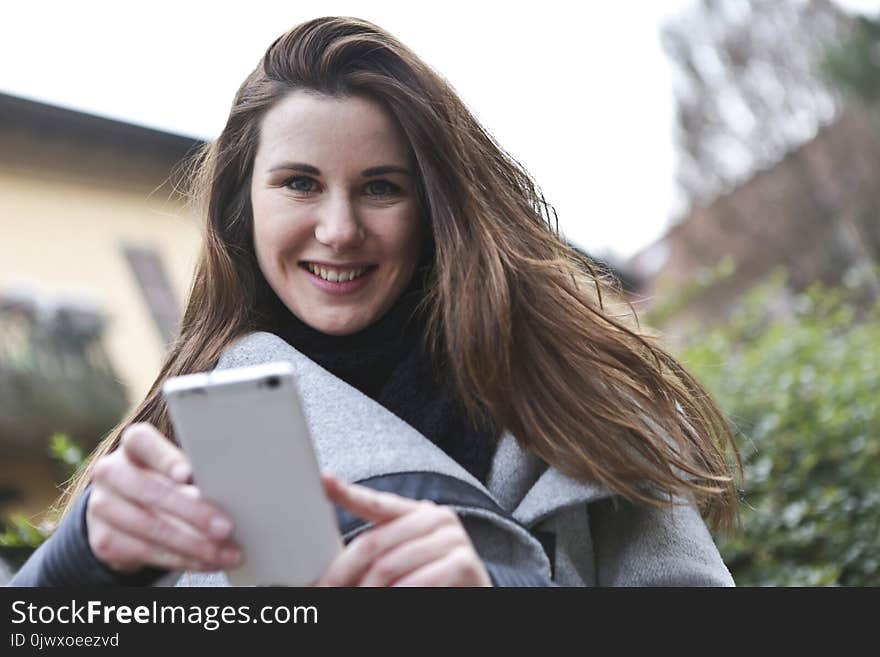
(803, 391)
(18, 537)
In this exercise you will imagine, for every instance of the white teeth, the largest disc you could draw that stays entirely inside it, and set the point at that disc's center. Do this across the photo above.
(334, 275)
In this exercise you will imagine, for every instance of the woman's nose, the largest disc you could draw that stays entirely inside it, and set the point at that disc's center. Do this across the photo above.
(338, 226)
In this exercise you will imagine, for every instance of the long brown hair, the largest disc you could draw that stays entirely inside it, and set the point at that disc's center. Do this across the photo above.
(516, 313)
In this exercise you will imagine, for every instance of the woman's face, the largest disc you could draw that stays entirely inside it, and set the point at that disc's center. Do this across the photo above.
(337, 230)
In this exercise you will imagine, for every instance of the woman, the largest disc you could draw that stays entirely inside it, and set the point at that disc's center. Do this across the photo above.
(363, 225)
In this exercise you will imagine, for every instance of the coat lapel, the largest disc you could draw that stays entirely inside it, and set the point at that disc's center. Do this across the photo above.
(529, 490)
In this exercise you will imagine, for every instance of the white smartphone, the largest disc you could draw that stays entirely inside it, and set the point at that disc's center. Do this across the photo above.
(245, 435)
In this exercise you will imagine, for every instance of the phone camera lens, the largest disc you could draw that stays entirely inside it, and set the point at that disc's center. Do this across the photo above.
(273, 382)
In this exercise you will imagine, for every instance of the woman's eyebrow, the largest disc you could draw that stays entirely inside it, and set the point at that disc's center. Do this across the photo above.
(296, 166)
(315, 171)
(387, 168)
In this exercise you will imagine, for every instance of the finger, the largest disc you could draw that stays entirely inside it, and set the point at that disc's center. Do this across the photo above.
(374, 506)
(149, 489)
(461, 567)
(162, 530)
(126, 553)
(358, 556)
(146, 446)
(410, 556)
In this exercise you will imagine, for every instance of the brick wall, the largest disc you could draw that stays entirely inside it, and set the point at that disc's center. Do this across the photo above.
(817, 212)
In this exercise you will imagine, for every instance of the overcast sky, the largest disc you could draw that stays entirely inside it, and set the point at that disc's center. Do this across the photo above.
(578, 92)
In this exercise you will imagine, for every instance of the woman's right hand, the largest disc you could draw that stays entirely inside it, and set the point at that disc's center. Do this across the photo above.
(144, 511)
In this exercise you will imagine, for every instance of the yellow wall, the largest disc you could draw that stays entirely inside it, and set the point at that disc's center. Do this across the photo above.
(63, 221)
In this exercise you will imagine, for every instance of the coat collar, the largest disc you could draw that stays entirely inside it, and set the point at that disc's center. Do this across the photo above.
(357, 438)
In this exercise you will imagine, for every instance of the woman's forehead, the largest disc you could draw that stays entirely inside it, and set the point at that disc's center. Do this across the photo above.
(334, 130)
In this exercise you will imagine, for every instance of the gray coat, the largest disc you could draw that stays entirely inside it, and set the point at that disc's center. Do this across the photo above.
(527, 516)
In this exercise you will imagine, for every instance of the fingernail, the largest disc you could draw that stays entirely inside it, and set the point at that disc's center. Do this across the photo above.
(181, 472)
(220, 526)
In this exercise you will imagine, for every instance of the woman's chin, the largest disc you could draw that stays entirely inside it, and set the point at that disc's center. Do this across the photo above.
(338, 326)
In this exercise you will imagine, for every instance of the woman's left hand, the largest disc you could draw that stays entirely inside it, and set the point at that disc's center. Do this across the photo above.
(413, 543)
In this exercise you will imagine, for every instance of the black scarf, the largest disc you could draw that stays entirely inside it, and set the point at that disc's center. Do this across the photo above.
(387, 362)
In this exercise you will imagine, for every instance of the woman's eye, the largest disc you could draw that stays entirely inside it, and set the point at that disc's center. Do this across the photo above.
(301, 184)
(382, 188)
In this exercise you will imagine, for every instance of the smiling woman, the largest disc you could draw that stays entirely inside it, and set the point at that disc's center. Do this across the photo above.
(459, 360)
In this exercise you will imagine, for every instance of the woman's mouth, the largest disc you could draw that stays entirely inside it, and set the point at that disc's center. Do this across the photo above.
(339, 279)
(334, 274)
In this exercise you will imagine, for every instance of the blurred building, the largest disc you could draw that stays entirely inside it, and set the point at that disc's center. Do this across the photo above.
(816, 212)
(96, 254)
